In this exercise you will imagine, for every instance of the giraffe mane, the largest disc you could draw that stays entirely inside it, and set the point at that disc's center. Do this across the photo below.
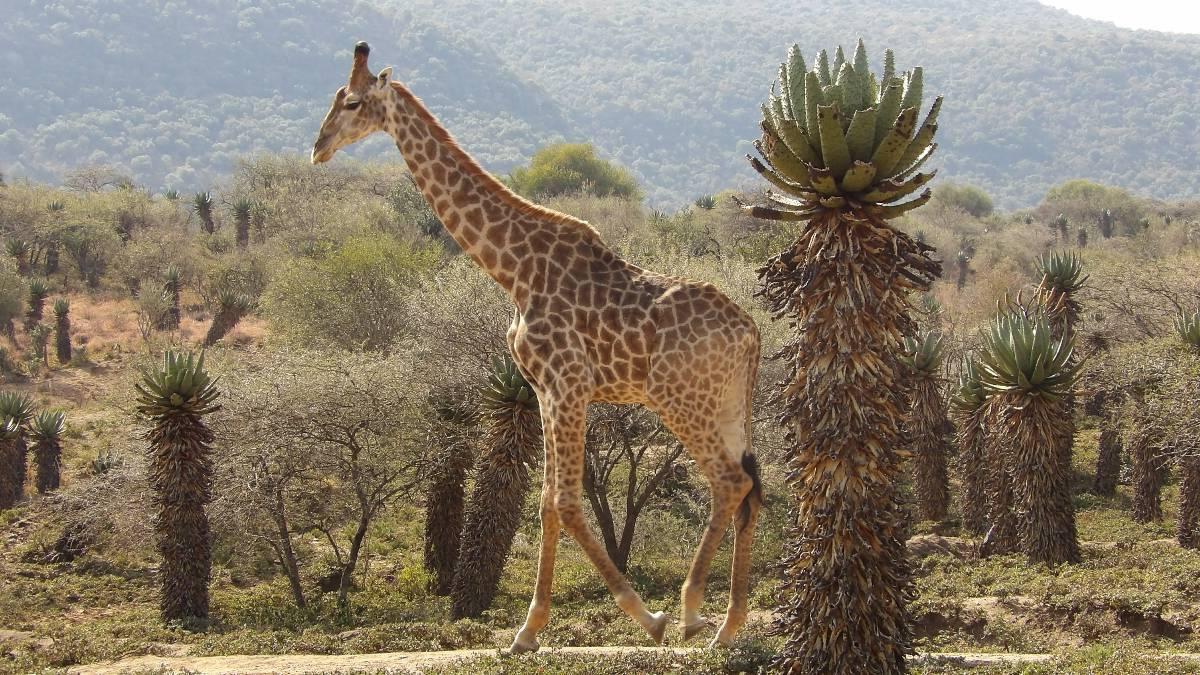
(472, 166)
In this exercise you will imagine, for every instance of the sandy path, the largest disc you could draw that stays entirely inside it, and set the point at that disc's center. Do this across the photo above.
(416, 661)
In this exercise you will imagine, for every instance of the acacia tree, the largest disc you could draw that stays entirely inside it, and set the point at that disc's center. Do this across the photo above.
(1030, 374)
(633, 438)
(326, 442)
(968, 407)
(843, 148)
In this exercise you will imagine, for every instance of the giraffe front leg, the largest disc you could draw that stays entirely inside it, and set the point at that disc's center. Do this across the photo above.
(539, 607)
(568, 480)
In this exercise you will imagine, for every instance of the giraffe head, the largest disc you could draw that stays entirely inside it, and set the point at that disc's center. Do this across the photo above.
(358, 108)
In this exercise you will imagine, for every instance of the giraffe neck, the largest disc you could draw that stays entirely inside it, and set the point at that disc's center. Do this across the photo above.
(489, 221)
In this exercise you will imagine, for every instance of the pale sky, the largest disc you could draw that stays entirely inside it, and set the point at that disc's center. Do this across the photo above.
(1176, 16)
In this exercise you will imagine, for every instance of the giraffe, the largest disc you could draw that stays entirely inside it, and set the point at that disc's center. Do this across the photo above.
(588, 326)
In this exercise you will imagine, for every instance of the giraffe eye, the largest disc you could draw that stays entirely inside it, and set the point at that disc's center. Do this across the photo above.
(352, 105)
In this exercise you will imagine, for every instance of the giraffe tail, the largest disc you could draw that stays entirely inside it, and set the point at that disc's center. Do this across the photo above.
(755, 496)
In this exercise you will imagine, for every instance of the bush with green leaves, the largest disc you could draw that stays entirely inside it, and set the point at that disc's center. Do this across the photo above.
(352, 298)
(570, 168)
(969, 198)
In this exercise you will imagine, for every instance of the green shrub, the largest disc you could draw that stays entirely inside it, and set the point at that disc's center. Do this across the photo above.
(352, 298)
(966, 197)
(570, 168)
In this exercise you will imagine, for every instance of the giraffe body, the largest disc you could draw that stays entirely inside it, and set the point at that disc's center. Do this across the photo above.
(589, 326)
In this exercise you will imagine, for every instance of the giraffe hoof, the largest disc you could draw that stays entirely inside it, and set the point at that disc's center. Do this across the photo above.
(690, 630)
(519, 647)
(720, 642)
(658, 627)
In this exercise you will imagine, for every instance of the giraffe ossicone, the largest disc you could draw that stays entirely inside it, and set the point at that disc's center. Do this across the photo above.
(589, 326)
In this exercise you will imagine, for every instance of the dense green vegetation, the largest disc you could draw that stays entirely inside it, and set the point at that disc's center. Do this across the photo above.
(669, 89)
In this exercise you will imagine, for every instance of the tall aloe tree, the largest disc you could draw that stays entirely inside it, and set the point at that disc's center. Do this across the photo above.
(969, 410)
(174, 398)
(231, 306)
(47, 429)
(202, 205)
(15, 413)
(842, 148)
(62, 330)
(172, 288)
(241, 220)
(1062, 278)
(1188, 527)
(926, 420)
(512, 439)
(1031, 374)
(447, 489)
(37, 301)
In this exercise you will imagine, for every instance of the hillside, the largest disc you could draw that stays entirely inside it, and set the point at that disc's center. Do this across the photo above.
(173, 93)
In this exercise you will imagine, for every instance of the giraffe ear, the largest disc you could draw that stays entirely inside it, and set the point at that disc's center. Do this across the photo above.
(384, 76)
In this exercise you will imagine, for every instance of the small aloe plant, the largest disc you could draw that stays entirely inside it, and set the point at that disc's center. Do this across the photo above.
(1188, 328)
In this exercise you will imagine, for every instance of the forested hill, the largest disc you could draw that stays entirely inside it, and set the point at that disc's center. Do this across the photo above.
(1034, 95)
(669, 88)
(174, 92)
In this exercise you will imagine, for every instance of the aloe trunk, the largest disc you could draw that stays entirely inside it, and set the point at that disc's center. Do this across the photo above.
(972, 470)
(1001, 536)
(512, 438)
(1108, 461)
(1149, 474)
(1188, 529)
(444, 512)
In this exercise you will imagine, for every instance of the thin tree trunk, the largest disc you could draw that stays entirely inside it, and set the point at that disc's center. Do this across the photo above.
(343, 596)
(287, 555)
